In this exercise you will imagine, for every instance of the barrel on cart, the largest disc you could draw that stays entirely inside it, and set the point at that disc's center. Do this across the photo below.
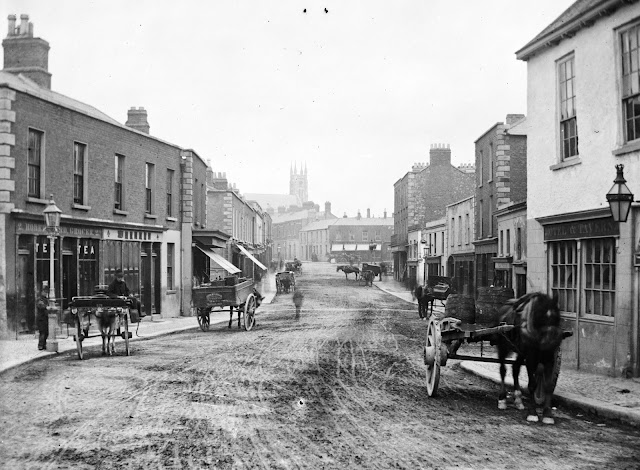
(231, 292)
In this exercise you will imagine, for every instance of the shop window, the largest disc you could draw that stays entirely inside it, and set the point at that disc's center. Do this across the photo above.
(564, 270)
(599, 269)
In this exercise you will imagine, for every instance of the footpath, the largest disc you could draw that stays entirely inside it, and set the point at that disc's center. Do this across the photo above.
(607, 397)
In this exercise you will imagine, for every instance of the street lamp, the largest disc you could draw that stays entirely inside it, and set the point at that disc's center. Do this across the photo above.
(372, 247)
(52, 216)
(619, 197)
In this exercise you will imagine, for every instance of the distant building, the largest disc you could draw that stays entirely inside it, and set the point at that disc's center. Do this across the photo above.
(460, 249)
(364, 239)
(422, 195)
(501, 178)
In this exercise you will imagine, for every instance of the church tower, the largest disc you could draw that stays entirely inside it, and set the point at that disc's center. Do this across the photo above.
(298, 184)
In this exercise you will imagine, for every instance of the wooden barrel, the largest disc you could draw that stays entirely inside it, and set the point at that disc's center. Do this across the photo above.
(461, 307)
(489, 302)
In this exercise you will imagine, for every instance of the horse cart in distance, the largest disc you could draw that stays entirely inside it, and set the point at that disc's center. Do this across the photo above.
(293, 266)
(285, 281)
(232, 292)
(109, 314)
(435, 288)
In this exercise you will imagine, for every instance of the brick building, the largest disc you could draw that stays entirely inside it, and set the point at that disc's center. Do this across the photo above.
(355, 236)
(121, 191)
(422, 195)
(500, 179)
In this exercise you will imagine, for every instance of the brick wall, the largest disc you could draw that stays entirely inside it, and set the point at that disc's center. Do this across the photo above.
(62, 127)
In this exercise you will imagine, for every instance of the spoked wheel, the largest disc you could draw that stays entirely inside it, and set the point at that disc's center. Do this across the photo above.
(79, 336)
(126, 334)
(539, 392)
(249, 312)
(203, 319)
(432, 356)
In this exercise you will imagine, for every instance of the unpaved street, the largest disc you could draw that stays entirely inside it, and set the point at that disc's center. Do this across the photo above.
(343, 387)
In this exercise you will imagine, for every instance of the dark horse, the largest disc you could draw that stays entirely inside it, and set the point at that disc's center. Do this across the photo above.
(425, 300)
(368, 277)
(346, 269)
(536, 341)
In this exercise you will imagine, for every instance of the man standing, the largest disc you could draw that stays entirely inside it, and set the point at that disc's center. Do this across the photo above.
(119, 288)
(42, 320)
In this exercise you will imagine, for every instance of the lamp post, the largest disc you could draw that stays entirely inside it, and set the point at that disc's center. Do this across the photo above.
(372, 248)
(52, 216)
(619, 197)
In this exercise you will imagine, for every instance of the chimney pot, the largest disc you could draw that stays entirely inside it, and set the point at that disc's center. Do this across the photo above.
(24, 24)
(12, 25)
(368, 213)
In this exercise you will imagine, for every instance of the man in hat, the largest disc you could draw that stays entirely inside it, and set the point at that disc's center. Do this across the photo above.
(118, 287)
(42, 319)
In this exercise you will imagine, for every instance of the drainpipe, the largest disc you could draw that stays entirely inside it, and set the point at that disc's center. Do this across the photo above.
(635, 301)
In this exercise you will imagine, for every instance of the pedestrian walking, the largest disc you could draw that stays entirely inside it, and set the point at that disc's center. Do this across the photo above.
(298, 298)
(42, 320)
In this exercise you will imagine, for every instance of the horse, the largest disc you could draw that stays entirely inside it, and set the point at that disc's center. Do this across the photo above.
(425, 300)
(346, 269)
(536, 339)
(368, 277)
(108, 324)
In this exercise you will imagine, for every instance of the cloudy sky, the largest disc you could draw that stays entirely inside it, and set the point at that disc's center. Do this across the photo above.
(358, 93)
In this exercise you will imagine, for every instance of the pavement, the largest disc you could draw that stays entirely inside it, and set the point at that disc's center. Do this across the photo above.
(607, 397)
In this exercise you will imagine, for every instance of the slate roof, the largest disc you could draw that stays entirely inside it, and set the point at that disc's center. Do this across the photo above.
(274, 200)
(580, 14)
(25, 85)
(364, 221)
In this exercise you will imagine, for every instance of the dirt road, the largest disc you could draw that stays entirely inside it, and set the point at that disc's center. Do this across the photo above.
(342, 387)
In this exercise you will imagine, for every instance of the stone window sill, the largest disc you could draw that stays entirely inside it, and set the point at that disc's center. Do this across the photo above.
(567, 163)
(172, 219)
(120, 212)
(150, 216)
(627, 148)
(171, 292)
(81, 207)
(37, 200)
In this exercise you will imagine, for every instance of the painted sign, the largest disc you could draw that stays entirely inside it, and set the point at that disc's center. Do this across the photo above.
(582, 229)
(65, 230)
(121, 234)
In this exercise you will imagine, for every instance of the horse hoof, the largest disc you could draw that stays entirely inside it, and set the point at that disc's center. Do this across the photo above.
(518, 404)
(532, 418)
(548, 420)
(502, 404)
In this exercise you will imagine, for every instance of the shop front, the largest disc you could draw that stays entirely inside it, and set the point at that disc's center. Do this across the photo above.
(76, 258)
(460, 270)
(588, 269)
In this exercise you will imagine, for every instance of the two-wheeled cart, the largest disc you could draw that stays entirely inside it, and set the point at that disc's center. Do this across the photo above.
(220, 294)
(87, 309)
(445, 336)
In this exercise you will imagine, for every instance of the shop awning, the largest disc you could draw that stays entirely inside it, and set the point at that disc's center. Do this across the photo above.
(366, 247)
(219, 260)
(251, 257)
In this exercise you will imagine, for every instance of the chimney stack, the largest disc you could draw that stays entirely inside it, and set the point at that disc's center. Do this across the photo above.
(440, 155)
(24, 54)
(137, 119)
(514, 118)
(385, 213)
(368, 213)
(359, 215)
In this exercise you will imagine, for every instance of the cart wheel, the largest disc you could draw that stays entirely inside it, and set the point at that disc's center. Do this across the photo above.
(203, 319)
(126, 334)
(432, 356)
(539, 394)
(249, 312)
(79, 336)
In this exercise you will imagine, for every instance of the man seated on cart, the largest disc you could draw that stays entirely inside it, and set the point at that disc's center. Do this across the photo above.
(118, 287)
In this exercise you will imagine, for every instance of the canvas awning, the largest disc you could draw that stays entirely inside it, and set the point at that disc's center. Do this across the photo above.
(362, 247)
(219, 260)
(251, 257)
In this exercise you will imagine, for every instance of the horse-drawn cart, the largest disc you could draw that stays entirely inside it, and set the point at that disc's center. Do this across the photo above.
(285, 281)
(222, 294)
(90, 310)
